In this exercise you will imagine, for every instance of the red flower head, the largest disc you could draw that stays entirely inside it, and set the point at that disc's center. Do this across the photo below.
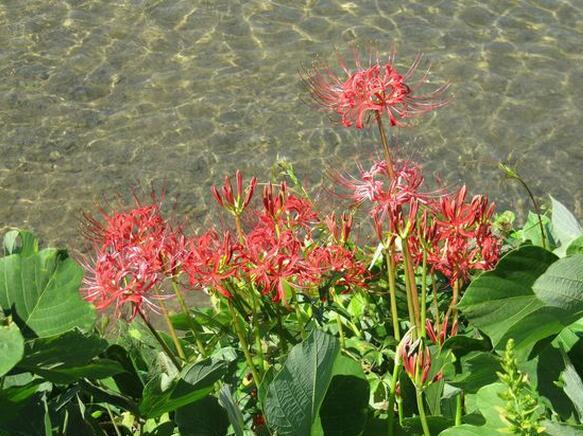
(210, 261)
(416, 359)
(439, 333)
(283, 209)
(236, 202)
(465, 241)
(374, 89)
(136, 250)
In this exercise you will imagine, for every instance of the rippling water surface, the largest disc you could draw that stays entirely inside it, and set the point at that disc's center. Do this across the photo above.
(96, 95)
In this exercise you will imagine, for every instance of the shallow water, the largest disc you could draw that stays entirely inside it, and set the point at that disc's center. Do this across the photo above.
(96, 95)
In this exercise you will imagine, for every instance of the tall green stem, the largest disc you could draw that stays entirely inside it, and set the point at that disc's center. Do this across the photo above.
(421, 407)
(410, 274)
(436, 303)
(386, 149)
(244, 344)
(458, 409)
(172, 331)
(189, 320)
(299, 314)
(257, 333)
(392, 290)
(392, 394)
(423, 293)
(158, 338)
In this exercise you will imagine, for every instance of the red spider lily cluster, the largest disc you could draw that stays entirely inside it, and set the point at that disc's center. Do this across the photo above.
(373, 89)
(136, 249)
(455, 235)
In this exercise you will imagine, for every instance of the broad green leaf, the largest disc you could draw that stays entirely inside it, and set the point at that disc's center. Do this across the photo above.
(72, 348)
(560, 429)
(575, 247)
(531, 230)
(20, 241)
(565, 226)
(413, 426)
(17, 402)
(206, 417)
(192, 383)
(491, 406)
(294, 396)
(478, 370)
(233, 412)
(11, 347)
(68, 357)
(562, 285)
(344, 410)
(41, 291)
(572, 384)
(496, 300)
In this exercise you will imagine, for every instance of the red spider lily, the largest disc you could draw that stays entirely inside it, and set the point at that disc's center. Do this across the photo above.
(374, 89)
(416, 359)
(340, 233)
(336, 265)
(272, 259)
(438, 334)
(236, 202)
(286, 210)
(125, 277)
(136, 250)
(466, 242)
(121, 228)
(210, 260)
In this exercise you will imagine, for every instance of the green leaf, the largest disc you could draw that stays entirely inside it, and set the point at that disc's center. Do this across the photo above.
(20, 241)
(17, 402)
(565, 226)
(561, 429)
(531, 230)
(562, 285)
(575, 247)
(68, 357)
(233, 412)
(496, 300)
(344, 410)
(478, 370)
(413, 426)
(294, 396)
(194, 382)
(491, 407)
(572, 385)
(206, 417)
(11, 347)
(41, 291)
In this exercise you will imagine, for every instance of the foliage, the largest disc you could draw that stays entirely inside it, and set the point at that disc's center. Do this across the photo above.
(452, 321)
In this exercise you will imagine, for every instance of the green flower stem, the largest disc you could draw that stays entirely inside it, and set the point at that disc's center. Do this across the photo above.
(452, 310)
(410, 275)
(392, 395)
(423, 294)
(163, 344)
(386, 149)
(111, 417)
(299, 314)
(392, 290)
(189, 320)
(436, 302)
(458, 409)
(421, 407)
(172, 331)
(244, 344)
(257, 333)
